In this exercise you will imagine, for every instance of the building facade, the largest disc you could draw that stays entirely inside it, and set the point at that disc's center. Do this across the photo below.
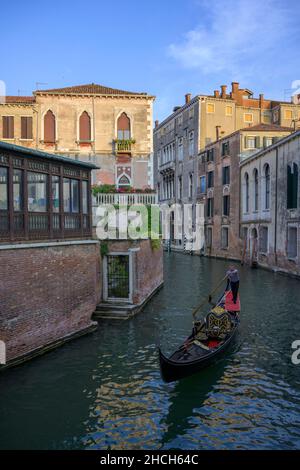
(219, 185)
(202, 120)
(270, 206)
(109, 127)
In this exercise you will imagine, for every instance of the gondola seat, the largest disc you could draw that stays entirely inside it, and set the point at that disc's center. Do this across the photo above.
(218, 324)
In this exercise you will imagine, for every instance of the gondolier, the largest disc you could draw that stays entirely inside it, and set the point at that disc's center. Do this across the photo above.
(234, 281)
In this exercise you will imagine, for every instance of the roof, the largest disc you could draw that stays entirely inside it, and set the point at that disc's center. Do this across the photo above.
(26, 151)
(90, 89)
(266, 127)
(280, 142)
(257, 128)
(19, 99)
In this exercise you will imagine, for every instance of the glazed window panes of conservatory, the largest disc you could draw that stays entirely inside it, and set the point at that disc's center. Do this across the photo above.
(85, 197)
(37, 192)
(71, 195)
(55, 193)
(3, 188)
(18, 189)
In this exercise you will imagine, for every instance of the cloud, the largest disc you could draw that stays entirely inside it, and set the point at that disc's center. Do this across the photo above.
(236, 36)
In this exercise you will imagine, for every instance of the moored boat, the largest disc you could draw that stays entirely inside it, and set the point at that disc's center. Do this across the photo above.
(209, 339)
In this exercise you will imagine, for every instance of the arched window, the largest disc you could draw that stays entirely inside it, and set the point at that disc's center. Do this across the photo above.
(123, 127)
(49, 127)
(246, 183)
(84, 127)
(255, 177)
(267, 186)
(124, 182)
(292, 186)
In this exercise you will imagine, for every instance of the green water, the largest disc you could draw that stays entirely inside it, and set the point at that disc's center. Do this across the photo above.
(104, 390)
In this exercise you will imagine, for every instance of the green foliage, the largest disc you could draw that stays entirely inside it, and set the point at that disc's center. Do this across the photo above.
(104, 248)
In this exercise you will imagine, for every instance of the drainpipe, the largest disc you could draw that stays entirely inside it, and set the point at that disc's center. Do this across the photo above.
(276, 190)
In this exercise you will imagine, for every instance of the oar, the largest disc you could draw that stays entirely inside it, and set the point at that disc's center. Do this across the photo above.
(196, 309)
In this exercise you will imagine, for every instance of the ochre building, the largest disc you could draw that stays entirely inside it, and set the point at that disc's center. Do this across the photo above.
(108, 127)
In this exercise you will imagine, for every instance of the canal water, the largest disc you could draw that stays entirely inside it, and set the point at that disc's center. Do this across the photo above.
(104, 391)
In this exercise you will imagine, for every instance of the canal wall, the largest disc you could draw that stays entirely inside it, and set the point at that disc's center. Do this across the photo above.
(48, 292)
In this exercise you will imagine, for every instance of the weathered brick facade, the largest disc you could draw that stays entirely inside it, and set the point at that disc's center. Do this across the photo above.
(48, 293)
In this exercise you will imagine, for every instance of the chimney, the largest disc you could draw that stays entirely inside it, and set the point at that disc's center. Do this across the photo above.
(216, 94)
(223, 91)
(187, 98)
(234, 87)
(156, 123)
(218, 132)
(261, 100)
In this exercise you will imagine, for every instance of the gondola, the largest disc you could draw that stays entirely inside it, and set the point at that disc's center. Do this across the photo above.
(208, 341)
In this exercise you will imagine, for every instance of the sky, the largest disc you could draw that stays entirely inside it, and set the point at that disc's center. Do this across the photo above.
(165, 48)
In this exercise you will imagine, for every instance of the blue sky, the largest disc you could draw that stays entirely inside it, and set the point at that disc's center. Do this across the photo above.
(167, 48)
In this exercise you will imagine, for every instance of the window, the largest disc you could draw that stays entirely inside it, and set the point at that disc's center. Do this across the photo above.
(18, 189)
(180, 187)
(37, 192)
(123, 127)
(210, 108)
(85, 197)
(202, 184)
(180, 148)
(8, 127)
(49, 128)
(191, 144)
(250, 142)
(3, 188)
(210, 207)
(267, 186)
(191, 185)
(225, 149)
(268, 141)
(248, 117)
(210, 155)
(226, 174)
(55, 193)
(255, 177)
(288, 114)
(84, 127)
(224, 238)
(71, 195)
(209, 237)
(263, 242)
(226, 205)
(123, 182)
(292, 186)
(210, 179)
(26, 127)
(228, 111)
(246, 183)
(292, 249)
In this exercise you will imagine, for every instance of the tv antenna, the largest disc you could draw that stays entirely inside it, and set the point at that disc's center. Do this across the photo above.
(38, 84)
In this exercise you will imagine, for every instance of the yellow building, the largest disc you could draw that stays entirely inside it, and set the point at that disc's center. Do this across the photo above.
(109, 127)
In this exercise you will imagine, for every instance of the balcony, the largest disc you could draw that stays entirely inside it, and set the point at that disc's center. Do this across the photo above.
(125, 198)
(123, 145)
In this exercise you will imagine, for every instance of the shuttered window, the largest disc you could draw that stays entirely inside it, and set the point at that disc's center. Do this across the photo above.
(84, 127)
(49, 128)
(26, 127)
(123, 127)
(292, 186)
(8, 127)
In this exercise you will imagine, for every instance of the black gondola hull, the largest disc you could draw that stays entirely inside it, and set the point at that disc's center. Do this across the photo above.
(172, 370)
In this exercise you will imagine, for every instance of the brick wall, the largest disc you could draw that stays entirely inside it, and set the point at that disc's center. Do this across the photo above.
(46, 294)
